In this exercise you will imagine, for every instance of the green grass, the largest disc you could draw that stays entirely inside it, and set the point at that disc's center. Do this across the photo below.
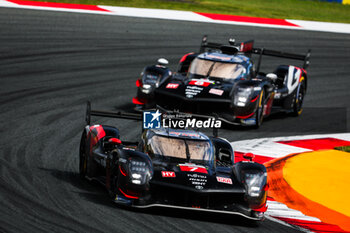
(343, 148)
(285, 9)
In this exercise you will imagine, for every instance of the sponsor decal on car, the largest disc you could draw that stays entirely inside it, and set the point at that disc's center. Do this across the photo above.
(168, 174)
(224, 180)
(187, 167)
(185, 134)
(172, 85)
(216, 91)
(219, 57)
(192, 91)
(249, 121)
(200, 82)
(197, 180)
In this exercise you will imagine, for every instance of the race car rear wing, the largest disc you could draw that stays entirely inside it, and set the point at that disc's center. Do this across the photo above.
(247, 47)
(275, 53)
(110, 114)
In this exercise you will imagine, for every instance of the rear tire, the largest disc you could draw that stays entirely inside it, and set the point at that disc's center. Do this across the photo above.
(259, 114)
(82, 157)
(299, 98)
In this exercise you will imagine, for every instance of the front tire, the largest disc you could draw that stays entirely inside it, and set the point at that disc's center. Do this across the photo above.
(299, 98)
(259, 114)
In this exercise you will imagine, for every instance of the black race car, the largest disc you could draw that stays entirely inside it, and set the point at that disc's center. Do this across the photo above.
(222, 80)
(172, 168)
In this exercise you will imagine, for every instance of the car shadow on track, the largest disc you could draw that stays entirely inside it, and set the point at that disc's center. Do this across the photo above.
(94, 192)
(89, 190)
(227, 219)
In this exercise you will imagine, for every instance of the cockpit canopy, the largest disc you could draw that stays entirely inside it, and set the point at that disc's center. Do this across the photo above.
(215, 69)
(181, 148)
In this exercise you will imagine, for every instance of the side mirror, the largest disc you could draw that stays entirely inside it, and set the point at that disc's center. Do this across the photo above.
(163, 61)
(115, 141)
(225, 156)
(248, 156)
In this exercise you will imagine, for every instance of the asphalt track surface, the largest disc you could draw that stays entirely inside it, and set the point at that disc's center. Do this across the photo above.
(51, 63)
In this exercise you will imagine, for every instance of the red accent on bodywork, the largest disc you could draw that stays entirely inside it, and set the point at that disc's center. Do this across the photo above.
(246, 47)
(115, 141)
(139, 83)
(301, 73)
(122, 171)
(245, 117)
(168, 174)
(253, 100)
(128, 196)
(138, 101)
(266, 187)
(96, 133)
(268, 106)
(58, 5)
(184, 57)
(202, 83)
(247, 19)
(261, 209)
(317, 144)
(185, 168)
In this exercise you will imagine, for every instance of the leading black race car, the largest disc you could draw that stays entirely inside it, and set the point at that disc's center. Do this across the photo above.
(172, 168)
(222, 80)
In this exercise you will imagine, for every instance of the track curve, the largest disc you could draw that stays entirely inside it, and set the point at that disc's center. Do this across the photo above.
(52, 62)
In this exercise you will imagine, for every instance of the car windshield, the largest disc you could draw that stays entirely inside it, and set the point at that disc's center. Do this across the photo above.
(216, 69)
(181, 148)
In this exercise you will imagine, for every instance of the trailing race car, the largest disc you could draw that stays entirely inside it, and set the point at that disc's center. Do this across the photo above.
(222, 80)
(174, 168)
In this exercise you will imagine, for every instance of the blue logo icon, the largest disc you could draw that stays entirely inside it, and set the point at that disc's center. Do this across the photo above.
(151, 120)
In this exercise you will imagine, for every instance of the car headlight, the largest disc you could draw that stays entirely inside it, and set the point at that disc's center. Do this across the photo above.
(139, 172)
(254, 181)
(146, 86)
(242, 95)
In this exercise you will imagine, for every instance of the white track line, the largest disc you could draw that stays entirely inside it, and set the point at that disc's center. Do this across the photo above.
(189, 16)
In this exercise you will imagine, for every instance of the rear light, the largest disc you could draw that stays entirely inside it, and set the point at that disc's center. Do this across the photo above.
(247, 46)
(139, 83)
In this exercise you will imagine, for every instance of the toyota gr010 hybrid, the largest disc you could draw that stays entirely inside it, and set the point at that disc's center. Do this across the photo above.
(222, 80)
(174, 168)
